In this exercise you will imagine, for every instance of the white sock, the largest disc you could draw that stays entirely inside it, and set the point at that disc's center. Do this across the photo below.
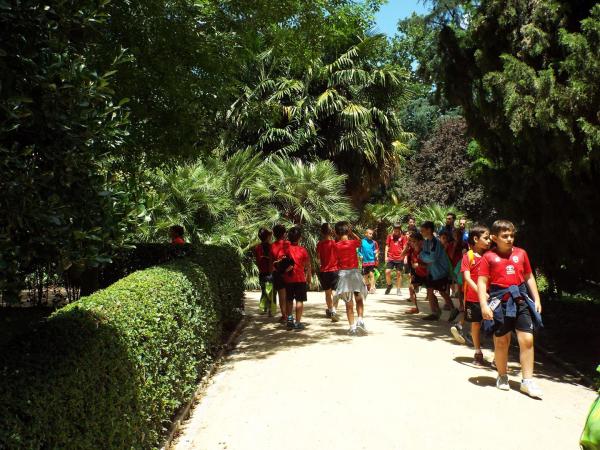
(353, 326)
(332, 310)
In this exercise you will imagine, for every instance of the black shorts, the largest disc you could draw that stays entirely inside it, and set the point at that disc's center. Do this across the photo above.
(416, 280)
(278, 282)
(368, 269)
(296, 291)
(395, 265)
(473, 312)
(328, 280)
(440, 285)
(522, 322)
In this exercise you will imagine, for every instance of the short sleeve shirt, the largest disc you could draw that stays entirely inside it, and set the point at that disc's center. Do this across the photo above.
(346, 254)
(473, 268)
(278, 249)
(505, 270)
(301, 259)
(264, 261)
(327, 255)
(395, 247)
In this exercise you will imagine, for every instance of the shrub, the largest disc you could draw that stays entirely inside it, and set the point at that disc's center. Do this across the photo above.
(110, 370)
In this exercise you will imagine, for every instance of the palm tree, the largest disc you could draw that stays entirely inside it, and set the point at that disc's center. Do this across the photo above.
(342, 111)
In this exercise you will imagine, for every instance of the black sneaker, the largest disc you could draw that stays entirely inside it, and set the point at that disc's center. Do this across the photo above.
(431, 316)
(388, 290)
(328, 313)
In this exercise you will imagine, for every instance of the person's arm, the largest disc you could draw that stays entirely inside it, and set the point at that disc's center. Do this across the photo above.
(308, 274)
(467, 279)
(387, 247)
(532, 285)
(486, 311)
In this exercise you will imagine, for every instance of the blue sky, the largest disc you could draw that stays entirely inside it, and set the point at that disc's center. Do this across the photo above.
(390, 13)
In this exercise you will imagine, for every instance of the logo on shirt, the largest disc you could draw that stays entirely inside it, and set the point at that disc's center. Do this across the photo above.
(510, 270)
(515, 259)
(497, 259)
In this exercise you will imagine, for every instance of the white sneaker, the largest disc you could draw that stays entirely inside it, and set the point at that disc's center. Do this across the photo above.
(530, 388)
(502, 383)
(361, 328)
(457, 334)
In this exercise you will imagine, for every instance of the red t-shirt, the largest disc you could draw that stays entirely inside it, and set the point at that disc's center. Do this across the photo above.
(278, 249)
(505, 270)
(473, 268)
(264, 262)
(421, 269)
(455, 252)
(395, 247)
(301, 259)
(327, 255)
(177, 241)
(346, 254)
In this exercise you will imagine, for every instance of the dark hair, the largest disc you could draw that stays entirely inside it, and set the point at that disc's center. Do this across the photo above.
(409, 218)
(502, 225)
(416, 235)
(412, 229)
(326, 229)
(294, 234)
(397, 225)
(447, 234)
(451, 214)
(264, 234)
(177, 229)
(476, 232)
(428, 224)
(342, 228)
(279, 231)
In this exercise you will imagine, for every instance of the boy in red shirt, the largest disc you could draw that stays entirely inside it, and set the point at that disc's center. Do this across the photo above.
(418, 268)
(508, 272)
(296, 278)
(278, 249)
(176, 235)
(264, 262)
(350, 281)
(394, 246)
(328, 273)
(479, 240)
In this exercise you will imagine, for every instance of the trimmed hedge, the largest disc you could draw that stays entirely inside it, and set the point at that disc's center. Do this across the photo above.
(110, 370)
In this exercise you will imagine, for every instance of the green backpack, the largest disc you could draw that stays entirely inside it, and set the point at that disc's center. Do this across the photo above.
(590, 438)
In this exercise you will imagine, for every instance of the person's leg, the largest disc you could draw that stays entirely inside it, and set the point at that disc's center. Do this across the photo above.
(299, 310)
(526, 353)
(475, 335)
(282, 302)
(329, 299)
(388, 277)
(501, 344)
(434, 305)
(398, 277)
(371, 280)
(360, 306)
(350, 311)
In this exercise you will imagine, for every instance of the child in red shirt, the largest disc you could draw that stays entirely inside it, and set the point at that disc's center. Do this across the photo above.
(350, 281)
(394, 247)
(278, 249)
(503, 267)
(479, 240)
(418, 267)
(296, 278)
(176, 235)
(264, 261)
(328, 273)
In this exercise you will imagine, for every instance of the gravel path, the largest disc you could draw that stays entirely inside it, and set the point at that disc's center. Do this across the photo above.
(405, 386)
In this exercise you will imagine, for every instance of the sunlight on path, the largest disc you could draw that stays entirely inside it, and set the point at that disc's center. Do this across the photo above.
(405, 386)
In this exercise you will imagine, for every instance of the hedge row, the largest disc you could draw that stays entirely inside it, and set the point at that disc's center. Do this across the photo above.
(110, 370)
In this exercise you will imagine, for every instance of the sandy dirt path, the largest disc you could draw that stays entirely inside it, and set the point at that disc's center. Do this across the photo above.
(405, 386)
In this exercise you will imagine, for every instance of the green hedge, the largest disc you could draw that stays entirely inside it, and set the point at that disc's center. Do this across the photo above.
(110, 370)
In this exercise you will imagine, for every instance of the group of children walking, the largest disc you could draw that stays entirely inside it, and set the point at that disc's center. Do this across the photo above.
(491, 279)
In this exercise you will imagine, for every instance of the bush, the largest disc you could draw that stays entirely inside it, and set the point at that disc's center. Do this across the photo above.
(110, 370)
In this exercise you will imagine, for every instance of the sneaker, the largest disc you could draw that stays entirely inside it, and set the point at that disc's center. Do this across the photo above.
(453, 314)
(457, 334)
(431, 316)
(388, 290)
(398, 291)
(335, 317)
(361, 329)
(328, 313)
(282, 320)
(352, 332)
(478, 359)
(299, 326)
(530, 388)
(502, 383)
(290, 324)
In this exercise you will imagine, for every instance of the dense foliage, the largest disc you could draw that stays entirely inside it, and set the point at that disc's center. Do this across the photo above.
(110, 370)
(528, 78)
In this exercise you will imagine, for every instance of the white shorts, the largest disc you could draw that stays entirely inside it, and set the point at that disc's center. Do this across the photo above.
(349, 282)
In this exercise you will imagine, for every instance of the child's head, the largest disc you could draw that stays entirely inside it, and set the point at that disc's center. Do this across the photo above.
(503, 234)
(457, 234)
(445, 238)
(416, 240)
(479, 237)
(264, 234)
(369, 233)
(411, 222)
(342, 228)
(427, 229)
(294, 234)
(326, 230)
(397, 229)
(175, 231)
(279, 231)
